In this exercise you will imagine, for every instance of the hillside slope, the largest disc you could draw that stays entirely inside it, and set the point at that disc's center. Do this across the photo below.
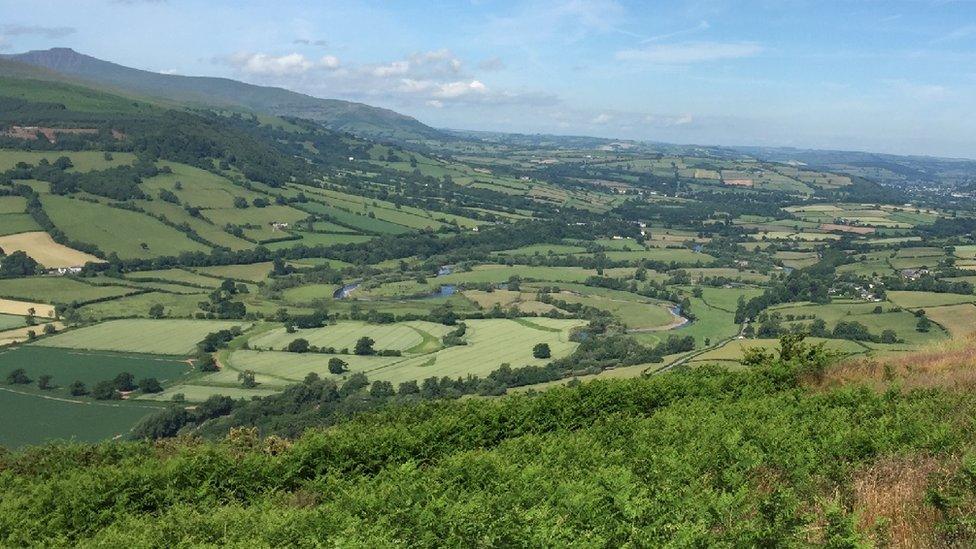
(698, 458)
(355, 118)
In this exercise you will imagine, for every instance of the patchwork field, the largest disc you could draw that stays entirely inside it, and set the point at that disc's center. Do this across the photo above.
(163, 337)
(100, 225)
(57, 289)
(402, 336)
(42, 248)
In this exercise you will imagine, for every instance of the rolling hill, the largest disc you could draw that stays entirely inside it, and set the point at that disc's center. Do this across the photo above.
(356, 118)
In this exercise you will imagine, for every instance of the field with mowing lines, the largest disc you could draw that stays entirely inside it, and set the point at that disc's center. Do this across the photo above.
(163, 337)
(491, 343)
(400, 336)
(958, 320)
(100, 225)
(42, 248)
(15, 307)
(41, 420)
(480, 356)
(57, 289)
(915, 300)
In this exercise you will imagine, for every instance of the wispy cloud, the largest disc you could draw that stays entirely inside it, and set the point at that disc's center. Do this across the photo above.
(36, 30)
(701, 26)
(956, 34)
(917, 91)
(690, 52)
(309, 42)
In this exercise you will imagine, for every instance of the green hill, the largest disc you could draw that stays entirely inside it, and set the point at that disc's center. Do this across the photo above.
(705, 458)
(346, 116)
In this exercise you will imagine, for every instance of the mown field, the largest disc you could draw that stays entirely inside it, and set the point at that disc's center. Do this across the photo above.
(163, 337)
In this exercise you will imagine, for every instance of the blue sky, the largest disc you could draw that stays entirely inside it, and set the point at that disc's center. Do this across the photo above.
(881, 76)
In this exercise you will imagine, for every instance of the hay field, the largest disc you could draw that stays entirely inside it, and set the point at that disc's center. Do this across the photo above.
(42, 248)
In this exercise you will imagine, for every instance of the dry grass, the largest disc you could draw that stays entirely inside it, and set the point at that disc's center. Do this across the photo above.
(42, 248)
(949, 364)
(889, 496)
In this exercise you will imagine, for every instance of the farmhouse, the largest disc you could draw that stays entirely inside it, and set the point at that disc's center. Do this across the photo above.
(278, 225)
(62, 271)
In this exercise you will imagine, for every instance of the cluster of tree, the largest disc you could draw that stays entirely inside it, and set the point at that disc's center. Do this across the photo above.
(110, 389)
(221, 303)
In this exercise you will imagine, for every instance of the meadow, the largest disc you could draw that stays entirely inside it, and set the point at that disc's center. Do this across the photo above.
(163, 337)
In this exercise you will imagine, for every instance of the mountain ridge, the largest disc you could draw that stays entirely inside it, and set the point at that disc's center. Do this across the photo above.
(352, 117)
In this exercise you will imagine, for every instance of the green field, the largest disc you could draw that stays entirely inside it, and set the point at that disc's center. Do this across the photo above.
(490, 344)
(164, 337)
(401, 336)
(51, 289)
(42, 420)
(915, 300)
(116, 230)
(178, 306)
(90, 367)
(83, 161)
(253, 272)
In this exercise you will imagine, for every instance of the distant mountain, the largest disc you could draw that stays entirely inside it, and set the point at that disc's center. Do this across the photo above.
(356, 118)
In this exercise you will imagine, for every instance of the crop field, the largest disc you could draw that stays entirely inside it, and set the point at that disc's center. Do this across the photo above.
(139, 304)
(11, 321)
(57, 289)
(194, 392)
(637, 313)
(915, 300)
(13, 223)
(958, 320)
(89, 367)
(253, 272)
(523, 301)
(355, 220)
(15, 307)
(491, 343)
(42, 248)
(480, 356)
(99, 224)
(682, 256)
(400, 336)
(178, 276)
(319, 239)
(543, 249)
(40, 420)
(163, 337)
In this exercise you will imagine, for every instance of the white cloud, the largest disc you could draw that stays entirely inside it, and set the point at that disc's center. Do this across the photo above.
(922, 92)
(263, 64)
(601, 118)
(690, 52)
(433, 78)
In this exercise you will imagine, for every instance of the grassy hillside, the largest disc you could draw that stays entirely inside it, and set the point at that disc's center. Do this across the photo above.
(704, 457)
(355, 118)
